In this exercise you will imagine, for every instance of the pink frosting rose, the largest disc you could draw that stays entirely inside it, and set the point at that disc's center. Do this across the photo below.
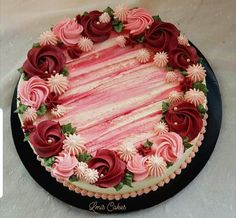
(138, 168)
(169, 146)
(137, 21)
(64, 166)
(33, 92)
(68, 31)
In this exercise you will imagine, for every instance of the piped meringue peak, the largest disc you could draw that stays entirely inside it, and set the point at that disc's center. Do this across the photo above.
(105, 18)
(30, 114)
(196, 72)
(91, 176)
(59, 111)
(80, 170)
(160, 59)
(85, 44)
(58, 84)
(126, 150)
(120, 40)
(175, 96)
(143, 55)
(195, 97)
(74, 144)
(48, 38)
(161, 128)
(171, 77)
(156, 165)
(183, 40)
(121, 12)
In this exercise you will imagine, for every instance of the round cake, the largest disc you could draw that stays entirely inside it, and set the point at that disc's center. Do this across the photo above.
(113, 102)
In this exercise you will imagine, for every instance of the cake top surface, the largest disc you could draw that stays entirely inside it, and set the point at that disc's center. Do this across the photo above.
(112, 97)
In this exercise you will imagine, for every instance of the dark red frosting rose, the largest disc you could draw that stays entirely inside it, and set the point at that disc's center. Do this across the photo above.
(185, 84)
(74, 52)
(93, 29)
(28, 127)
(47, 139)
(44, 61)
(52, 100)
(110, 168)
(162, 36)
(184, 119)
(183, 56)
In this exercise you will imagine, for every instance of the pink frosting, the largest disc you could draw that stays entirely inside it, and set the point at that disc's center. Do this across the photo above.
(169, 146)
(68, 31)
(33, 92)
(137, 21)
(138, 167)
(64, 166)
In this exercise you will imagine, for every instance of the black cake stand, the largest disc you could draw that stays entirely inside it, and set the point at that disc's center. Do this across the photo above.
(44, 179)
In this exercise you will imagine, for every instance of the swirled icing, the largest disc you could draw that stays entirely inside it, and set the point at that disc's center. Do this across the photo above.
(33, 92)
(64, 165)
(68, 31)
(137, 165)
(137, 20)
(169, 146)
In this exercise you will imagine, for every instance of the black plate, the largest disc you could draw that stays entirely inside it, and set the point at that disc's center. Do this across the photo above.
(43, 178)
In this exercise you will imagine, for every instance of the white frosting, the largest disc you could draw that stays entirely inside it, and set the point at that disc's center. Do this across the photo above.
(30, 114)
(120, 40)
(183, 40)
(126, 151)
(85, 44)
(175, 96)
(171, 77)
(156, 166)
(91, 176)
(161, 128)
(195, 97)
(80, 170)
(74, 144)
(58, 84)
(143, 55)
(160, 59)
(121, 12)
(48, 38)
(105, 18)
(59, 111)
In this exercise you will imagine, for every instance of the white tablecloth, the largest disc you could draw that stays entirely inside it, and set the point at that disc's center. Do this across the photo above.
(211, 26)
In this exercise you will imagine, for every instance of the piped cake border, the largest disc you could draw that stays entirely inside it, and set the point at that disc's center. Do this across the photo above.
(133, 194)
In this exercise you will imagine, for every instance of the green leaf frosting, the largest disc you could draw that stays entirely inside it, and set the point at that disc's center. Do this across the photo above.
(84, 157)
(49, 161)
(156, 17)
(117, 25)
(67, 129)
(26, 137)
(128, 178)
(201, 109)
(36, 45)
(165, 107)
(73, 179)
(147, 144)
(21, 108)
(169, 164)
(109, 10)
(200, 86)
(42, 110)
(186, 143)
(64, 72)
